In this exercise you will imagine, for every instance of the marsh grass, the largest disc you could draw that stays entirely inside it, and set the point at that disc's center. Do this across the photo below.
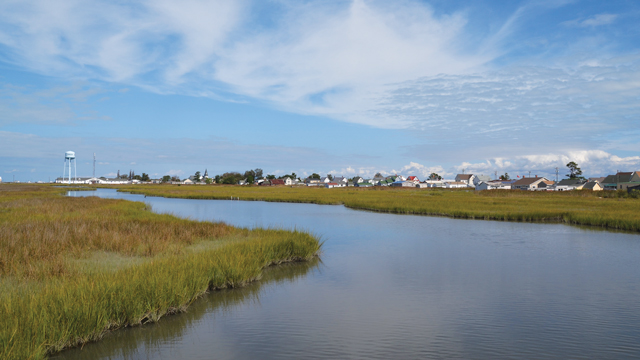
(73, 268)
(606, 209)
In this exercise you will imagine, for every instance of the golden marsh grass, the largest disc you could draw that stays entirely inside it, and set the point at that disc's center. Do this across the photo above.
(73, 268)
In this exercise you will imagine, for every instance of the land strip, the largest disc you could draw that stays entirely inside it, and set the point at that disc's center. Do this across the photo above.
(72, 269)
(605, 209)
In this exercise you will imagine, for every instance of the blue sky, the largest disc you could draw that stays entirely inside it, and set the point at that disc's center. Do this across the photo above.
(342, 87)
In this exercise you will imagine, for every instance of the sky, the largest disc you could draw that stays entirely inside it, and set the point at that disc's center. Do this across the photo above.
(346, 87)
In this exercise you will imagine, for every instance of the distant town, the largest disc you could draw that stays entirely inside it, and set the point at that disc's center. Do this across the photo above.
(574, 180)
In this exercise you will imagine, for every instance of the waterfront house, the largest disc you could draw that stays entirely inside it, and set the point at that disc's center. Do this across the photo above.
(331, 185)
(494, 185)
(531, 183)
(432, 184)
(477, 179)
(570, 184)
(611, 182)
(340, 180)
(277, 182)
(456, 184)
(413, 179)
(468, 179)
(593, 185)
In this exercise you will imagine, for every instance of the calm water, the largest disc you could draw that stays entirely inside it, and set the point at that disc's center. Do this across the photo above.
(405, 287)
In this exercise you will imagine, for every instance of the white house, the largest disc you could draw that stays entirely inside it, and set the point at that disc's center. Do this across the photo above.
(494, 185)
(468, 179)
(432, 183)
(455, 184)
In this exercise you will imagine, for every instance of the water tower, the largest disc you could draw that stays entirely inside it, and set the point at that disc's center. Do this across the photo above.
(70, 157)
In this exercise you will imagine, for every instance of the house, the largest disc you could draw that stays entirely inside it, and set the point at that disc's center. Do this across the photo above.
(403, 184)
(364, 184)
(432, 183)
(494, 185)
(357, 180)
(569, 184)
(340, 180)
(242, 182)
(611, 182)
(593, 185)
(331, 185)
(313, 182)
(277, 182)
(455, 184)
(480, 178)
(288, 181)
(530, 183)
(188, 182)
(466, 178)
(325, 179)
(413, 179)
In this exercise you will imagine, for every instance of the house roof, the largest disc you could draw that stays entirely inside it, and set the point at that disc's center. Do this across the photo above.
(277, 182)
(591, 185)
(569, 182)
(618, 178)
(464, 176)
(528, 181)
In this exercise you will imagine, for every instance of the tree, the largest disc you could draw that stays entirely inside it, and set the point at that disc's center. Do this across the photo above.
(505, 177)
(208, 181)
(175, 178)
(330, 177)
(250, 176)
(166, 178)
(378, 175)
(144, 177)
(574, 171)
(271, 177)
(258, 173)
(218, 179)
(435, 176)
(196, 176)
(314, 176)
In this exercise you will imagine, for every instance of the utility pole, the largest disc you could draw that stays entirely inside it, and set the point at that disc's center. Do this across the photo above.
(529, 173)
(556, 174)
(496, 174)
(94, 165)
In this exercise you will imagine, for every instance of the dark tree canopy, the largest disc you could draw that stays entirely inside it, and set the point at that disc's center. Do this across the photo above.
(435, 176)
(505, 177)
(574, 171)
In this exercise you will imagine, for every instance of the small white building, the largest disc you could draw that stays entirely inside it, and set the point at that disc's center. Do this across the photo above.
(494, 185)
(455, 184)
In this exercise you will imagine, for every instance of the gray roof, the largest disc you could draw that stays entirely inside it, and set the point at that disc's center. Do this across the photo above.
(569, 182)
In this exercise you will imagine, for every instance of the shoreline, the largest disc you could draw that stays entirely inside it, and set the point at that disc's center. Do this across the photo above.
(596, 212)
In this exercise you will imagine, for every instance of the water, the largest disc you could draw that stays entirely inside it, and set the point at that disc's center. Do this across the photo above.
(405, 287)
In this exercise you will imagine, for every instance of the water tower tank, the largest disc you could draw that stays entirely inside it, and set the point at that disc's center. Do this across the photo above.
(70, 155)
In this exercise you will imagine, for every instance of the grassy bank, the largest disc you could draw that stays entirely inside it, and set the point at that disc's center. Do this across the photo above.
(603, 209)
(73, 268)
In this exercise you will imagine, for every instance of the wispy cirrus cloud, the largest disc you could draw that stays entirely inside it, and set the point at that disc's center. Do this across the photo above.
(593, 21)
(55, 105)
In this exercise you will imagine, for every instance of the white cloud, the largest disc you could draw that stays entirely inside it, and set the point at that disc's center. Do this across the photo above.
(57, 105)
(596, 20)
